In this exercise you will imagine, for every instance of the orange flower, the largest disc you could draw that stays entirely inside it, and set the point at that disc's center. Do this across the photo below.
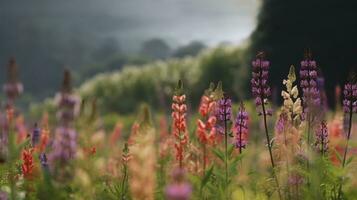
(116, 133)
(206, 131)
(27, 165)
(44, 139)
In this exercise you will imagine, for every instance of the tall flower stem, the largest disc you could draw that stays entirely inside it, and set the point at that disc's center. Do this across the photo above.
(270, 150)
(346, 146)
(226, 151)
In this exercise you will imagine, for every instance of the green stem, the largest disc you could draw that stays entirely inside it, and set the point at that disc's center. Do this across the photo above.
(270, 148)
(226, 150)
(346, 147)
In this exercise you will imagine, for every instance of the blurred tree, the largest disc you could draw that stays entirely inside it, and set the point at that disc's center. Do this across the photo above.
(156, 48)
(191, 49)
(328, 27)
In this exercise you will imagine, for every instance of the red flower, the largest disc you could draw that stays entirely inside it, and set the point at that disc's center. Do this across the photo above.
(27, 165)
(179, 125)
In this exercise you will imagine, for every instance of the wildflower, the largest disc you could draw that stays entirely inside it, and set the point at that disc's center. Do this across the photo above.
(36, 135)
(13, 88)
(179, 189)
(223, 114)
(179, 122)
(27, 163)
(349, 107)
(44, 139)
(116, 134)
(308, 82)
(143, 161)
(292, 104)
(64, 145)
(321, 135)
(260, 88)
(261, 92)
(43, 160)
(206, 130)
(241, 127)
(68, 103)
(350, 98)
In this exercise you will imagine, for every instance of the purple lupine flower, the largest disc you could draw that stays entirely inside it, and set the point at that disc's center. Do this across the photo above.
(66, 101)
(308, 82)
(260, 88)
(36, 134)
(223, 113)
(350, 98)
(241, 127)
(64, 145)
(43, 160)
(225, 109)
(179, 189)
(321, 143)
(3, 195)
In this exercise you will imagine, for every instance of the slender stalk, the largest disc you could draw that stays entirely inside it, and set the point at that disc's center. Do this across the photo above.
(123, 187)
(346, 147)
(204, 158)
(226, 150)
(270, 149)
(240, 136)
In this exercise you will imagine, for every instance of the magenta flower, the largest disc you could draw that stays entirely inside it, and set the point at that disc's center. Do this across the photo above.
(241, 127)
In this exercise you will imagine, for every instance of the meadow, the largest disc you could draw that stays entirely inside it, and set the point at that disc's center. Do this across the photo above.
(188, 139)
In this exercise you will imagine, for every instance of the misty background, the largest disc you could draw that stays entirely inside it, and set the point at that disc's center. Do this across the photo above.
(91, 36)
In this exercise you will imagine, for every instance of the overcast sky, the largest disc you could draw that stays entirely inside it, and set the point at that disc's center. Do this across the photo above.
(177, 21)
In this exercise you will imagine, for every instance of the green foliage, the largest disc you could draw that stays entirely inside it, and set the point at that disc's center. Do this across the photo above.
(153, 83)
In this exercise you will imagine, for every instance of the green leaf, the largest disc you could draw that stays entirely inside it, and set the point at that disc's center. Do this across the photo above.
(339, 157)
(349, 160)
(230, 150)
(206, 177)
(219, 154)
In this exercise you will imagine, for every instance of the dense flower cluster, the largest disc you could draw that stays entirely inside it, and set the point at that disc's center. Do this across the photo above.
(292, 103)
(36, 136)
(64, 145)
(350, 98)
(308, 82)
(223, 113)
(241, 128)
(27, 163)
(260, 88)
(206, 130)
(179, 109)
(321, 142)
